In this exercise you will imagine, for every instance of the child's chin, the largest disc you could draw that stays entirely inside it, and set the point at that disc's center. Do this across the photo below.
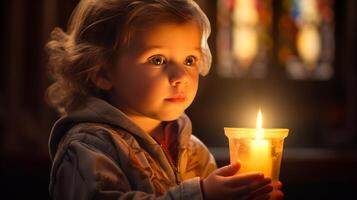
(171, 117)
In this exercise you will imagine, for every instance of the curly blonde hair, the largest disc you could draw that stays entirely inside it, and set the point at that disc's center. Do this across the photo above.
(96, 30)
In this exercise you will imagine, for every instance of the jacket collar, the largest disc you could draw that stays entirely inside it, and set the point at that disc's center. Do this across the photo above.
(99, 111)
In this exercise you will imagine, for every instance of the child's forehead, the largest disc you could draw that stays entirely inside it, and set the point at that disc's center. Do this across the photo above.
(162, 35)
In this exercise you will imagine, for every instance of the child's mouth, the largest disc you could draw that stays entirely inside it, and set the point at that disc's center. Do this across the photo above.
(177, 99)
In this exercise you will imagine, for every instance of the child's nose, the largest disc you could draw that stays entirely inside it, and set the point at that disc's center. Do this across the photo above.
(178, 75)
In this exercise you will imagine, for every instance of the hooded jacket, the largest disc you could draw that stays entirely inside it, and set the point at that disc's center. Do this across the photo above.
(97, 152)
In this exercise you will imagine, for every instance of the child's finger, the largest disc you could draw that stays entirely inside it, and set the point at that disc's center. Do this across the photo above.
(262, 191)
(249, 188)
(245, 178)
(279, 185)
(228, 170)
(278, 194)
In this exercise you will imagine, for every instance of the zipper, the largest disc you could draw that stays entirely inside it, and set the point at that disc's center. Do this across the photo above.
(172, 164)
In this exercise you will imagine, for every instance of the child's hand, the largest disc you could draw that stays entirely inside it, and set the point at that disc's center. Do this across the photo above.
(278, 193)
(224, 184)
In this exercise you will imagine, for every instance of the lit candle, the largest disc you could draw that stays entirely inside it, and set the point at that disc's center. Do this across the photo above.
(257, 149)
(260, 152)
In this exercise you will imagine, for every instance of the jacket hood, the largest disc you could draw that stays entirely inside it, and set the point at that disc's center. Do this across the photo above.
(99, 111)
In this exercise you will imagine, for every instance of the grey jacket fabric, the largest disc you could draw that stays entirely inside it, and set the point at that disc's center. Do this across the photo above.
(97, 152)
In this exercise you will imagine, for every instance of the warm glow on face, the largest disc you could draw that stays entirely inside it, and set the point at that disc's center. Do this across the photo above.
(157, 92)
(260, 133)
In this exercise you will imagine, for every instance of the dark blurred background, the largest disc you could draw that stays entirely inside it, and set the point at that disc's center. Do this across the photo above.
(320, 157)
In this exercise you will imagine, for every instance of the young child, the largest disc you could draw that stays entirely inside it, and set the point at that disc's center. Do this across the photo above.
(124, 73)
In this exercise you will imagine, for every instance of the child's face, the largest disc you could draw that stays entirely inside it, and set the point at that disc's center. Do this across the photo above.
(157, 75)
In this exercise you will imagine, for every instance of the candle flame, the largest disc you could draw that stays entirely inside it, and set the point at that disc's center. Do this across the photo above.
(259, 120)
(260, 133)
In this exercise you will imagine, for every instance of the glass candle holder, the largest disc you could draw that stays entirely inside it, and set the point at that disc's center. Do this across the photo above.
(257, 150)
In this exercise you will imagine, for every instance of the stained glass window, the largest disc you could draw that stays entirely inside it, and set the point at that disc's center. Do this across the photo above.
(306, 39)
(243, 39)
(303, 44)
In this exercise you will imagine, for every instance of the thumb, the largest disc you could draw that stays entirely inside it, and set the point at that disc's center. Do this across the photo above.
(228, 170)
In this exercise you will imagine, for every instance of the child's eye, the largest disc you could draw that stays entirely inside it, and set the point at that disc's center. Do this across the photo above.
(190, 60)
(157, 60)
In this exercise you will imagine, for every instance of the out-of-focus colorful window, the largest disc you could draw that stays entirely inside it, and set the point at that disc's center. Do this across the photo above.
(244, 38)
(306, 39)
(303, 46)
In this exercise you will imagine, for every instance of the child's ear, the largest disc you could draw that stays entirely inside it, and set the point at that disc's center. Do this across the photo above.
(101, 81)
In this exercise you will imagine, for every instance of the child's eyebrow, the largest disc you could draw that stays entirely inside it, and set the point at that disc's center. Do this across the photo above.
(197, 50)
